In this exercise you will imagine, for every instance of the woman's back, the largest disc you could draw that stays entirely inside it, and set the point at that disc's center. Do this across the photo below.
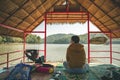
(76, 55)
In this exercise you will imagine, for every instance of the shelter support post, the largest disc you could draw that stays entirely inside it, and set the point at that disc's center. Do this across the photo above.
(110, 48)
(88, 38)
(45, 38)
(7, 60)
(24, 45)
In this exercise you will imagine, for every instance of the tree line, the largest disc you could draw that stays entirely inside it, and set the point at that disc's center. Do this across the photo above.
(65, 38)
(29, 39)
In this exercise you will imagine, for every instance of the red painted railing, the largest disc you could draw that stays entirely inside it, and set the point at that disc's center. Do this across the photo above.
(115, 52)
(8, 59)
(112, 58)
(110, 46)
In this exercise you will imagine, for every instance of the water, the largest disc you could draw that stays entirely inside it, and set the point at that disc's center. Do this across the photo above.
(57, 52)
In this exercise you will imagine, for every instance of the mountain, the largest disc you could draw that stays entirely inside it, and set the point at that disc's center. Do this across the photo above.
(58, 39)
(65, 38)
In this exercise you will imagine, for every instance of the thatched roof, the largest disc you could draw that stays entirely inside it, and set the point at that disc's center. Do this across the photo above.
(26, 15)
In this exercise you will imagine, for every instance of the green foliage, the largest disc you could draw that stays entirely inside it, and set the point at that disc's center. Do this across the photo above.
(1, 39)
(59, 38)
(83, 38)
(29, 39)
(17, 40)
(7, 39)
(32, 39)
(61, 41)
(53, 39)
(65, 38)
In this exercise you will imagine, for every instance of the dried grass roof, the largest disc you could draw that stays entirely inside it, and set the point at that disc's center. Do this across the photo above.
(26, 15)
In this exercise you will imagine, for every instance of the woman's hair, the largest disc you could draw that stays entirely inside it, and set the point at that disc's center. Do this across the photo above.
(75, 39)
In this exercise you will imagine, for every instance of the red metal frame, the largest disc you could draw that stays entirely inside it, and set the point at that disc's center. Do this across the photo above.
(45, 37)
(110, 56)
(116, 53)
(24, 46)
(110, 48)
(9, 27)
(7, 54)
(71, 18)
(88, 40)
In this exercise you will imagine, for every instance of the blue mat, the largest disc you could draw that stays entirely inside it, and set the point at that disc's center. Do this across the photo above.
(20, 72)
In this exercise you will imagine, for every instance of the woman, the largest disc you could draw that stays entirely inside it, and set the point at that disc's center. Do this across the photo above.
(76, 57)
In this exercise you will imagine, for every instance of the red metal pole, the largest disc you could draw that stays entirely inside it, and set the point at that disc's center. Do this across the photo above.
(67, 5)
(88, 40)
(7, 60)
(66, 19)
(24, 45)
(100, 57)
(57, 13)
(110, 48)
(34, 32)
(45, 37)
(116, 59)
(9, 27)
(99, 32)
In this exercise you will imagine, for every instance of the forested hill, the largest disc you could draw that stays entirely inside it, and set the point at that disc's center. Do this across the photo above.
(59, 38)
(65, 38)
(56, 39)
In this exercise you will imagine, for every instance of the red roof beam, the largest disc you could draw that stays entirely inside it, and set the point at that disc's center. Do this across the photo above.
(12, 28)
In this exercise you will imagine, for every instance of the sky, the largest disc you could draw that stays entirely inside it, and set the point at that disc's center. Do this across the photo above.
(66, 28)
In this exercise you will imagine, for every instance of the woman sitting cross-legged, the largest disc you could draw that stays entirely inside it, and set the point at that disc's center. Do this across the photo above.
(76, 57)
